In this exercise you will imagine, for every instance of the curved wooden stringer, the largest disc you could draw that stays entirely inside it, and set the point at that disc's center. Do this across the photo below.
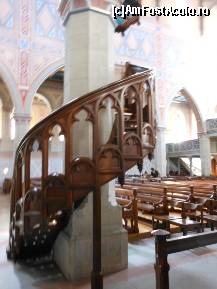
(41, 201)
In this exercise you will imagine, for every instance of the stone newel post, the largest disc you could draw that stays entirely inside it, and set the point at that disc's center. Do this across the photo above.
(89, 64)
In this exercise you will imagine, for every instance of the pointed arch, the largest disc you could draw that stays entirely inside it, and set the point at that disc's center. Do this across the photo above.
(50, 69)
(11, 85)
(199, 119)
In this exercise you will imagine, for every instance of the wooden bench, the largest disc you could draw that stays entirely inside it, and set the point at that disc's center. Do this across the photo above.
(211, 216)
(186, 224)
(128, 201)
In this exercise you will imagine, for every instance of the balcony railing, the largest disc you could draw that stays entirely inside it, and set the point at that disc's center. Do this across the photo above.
(211, 126)
(185, 148)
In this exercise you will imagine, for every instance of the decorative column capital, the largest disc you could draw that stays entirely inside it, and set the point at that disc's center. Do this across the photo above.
(21, 117)
(202, 134)
(161, 128)
(69, 7)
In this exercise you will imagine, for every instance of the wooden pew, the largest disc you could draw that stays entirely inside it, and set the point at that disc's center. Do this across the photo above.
(165, 246)
(176, 194)
(128, 201)
(198, 203)
(7, 186)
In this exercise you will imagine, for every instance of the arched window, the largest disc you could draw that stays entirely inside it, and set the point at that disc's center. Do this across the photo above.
(40, 109)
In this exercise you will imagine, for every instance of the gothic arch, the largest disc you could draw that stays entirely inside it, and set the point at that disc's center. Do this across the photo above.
(197, 113)
(50, 69)
(11, 85)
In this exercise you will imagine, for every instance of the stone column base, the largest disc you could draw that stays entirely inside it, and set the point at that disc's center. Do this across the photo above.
(74, 256)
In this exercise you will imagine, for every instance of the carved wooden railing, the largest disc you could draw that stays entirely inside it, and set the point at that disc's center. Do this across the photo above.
(41, 204)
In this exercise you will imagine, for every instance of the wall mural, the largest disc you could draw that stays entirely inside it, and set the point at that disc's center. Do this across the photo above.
(7, 11)
(150, 44)
(27, 28)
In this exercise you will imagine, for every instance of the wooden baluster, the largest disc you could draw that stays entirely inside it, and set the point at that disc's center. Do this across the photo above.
(27, 169)
(191, 197)
(135, 212)
(121, 180)
(161, 265)
(68, 159)
(165, 202)
(44, 175)
(18, 191)
(214, 192)
(96, 276)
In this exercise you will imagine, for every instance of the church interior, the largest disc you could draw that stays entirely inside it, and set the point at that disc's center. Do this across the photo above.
(108, 146)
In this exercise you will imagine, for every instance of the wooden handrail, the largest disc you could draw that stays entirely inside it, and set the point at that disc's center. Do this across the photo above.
(132, 79)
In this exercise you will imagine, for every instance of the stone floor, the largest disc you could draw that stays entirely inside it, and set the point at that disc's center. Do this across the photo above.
(194, 269)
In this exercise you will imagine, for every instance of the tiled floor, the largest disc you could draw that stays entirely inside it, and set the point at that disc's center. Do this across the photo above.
(194, 269)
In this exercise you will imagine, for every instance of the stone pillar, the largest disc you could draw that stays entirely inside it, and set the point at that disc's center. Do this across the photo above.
(89, 65)
(190, 166)
(168, 166)
(160, 151)
(89, 53)
(21, 124)
(179, 166)
(6, 142)
(6, 147)
(205, 155)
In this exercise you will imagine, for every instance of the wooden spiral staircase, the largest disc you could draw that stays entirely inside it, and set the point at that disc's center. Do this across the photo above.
(41, 207)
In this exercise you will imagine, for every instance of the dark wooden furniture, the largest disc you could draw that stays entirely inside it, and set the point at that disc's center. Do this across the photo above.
(127, 199)
(211, 215)
(186, 225)
(163, 247)
(81, 174)
(7, 186)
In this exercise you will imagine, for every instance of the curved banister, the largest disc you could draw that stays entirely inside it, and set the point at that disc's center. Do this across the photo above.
(105, 89)
(116, 145)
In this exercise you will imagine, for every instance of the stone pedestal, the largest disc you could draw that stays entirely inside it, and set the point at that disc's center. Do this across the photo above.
(160, 152)
(89, 65)
(205, 154)
(73, 248)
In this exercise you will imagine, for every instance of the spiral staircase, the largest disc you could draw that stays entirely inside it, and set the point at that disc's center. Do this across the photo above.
(41, 207)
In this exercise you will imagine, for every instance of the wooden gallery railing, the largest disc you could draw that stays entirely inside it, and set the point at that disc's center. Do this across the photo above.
(164, 247)
(41, 206)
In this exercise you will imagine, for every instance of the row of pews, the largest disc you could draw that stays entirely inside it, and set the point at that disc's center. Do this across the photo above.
(194, 203)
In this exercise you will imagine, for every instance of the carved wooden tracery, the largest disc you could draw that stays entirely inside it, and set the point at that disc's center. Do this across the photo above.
(51, 197)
